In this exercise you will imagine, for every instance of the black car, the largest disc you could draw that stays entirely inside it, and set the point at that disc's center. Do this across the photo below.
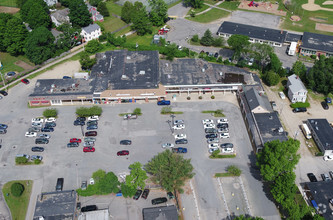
(216, 55)
(301, 109)
(37, 149)
(312, 177)
(90, 133)
(47, 129)
(170, 195)
(91, 123)
(181, 141)
(145, 194)
(211, 135)
(41, 141)
(3, 92)
(60, 184)
(89, 208)
(81, 119)
(50, 124)
(227, 145)
(210, 130)
(125, 142)
(74, 144)
(223, 125)
(325, 106)
(79, 123)
(137, 194)
(159, 200)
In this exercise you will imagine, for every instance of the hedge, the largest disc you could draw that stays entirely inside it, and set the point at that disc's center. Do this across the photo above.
(86, 112)
(300, 105)
(17, 189)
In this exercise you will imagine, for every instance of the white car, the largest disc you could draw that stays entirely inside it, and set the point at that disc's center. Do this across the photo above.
(179, 126)
(180, 136)
(222, 130)
(209, 126)
(282, 95)
(207, 121)
(224, 135)
(211, 150)
(44, 136)
(328, 157)
(227, 150)
(180, 121)
(214, 145)
(50, 120)
(30, 134)
(37, 124)
(93, 118)
(37, 120)
(168, 145)
(222, 121)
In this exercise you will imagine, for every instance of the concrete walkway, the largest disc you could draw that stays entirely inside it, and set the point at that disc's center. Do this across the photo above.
(4, 210)
(210, 8)
(36, 190)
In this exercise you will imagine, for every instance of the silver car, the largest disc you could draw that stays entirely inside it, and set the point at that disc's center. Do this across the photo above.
(89, 139)
(213, 140)
(88, 144)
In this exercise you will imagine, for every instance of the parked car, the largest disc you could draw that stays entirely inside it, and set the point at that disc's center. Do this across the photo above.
(170, 195)
(30, 134)
(88, 149)
(91, 133)
(36, 157)
(223, 130)
(325, 105)
(37, 149)
(159, 200)
(122, 153)
(180, 136)
(137, 194)
(88, 144)
(301, 109)
(168, 145)
(224, 135)
(178, 126)
(282, 95)
(216, 55)
(41, 141)
(50, 120)
(328, 100)
(328, 157)
(3, 131)
(181, 141)
(92, 123)
(50, 124)
(3, 92)
(66, 77)
(89, 208)
(274, 107)
(80, 119)
(163, 102)
(84, 185)
(72, 144)
(312, 177)
(222, 121)
(223, 125)
(325, 177)
(207, 121)
(145, 193)
(125, 142)
(44, 136)
(93, 118)
(179, 121)
(23, 155)
(47, 129)
(130, 116)
(227, 150)
(33, 129)
(60, 184)
(211, 150)
(79, 123)
(209, 126)
(213, 140)
(179, 150)
(37, 124)
(211, 135)
(37, 120)
(214, 145)
(25, 81)
(210, 130)
(227, 145)
(92, 127)
(3, 126)
(73, 140)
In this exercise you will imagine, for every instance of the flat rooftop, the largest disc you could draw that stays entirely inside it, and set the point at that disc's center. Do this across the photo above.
(56, 205)
(323, 131)
(199, 72)
(122, 69)
(318, 42)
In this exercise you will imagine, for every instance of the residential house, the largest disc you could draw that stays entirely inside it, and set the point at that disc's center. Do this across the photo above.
(322, 133)
(95, 15)
(51, 2)
(257, 101)
(316, 44)
(93, 31)
(60, 17)
(296, 89)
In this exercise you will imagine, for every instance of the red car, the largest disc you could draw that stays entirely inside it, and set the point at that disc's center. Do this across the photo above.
(25, 81)
(122, 153)
(75, 140)
(88, 149)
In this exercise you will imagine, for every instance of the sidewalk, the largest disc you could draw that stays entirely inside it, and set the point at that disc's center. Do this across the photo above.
(4, 210)
(36, 190)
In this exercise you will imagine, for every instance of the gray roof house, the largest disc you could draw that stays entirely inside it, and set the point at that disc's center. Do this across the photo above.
(322, 133)
(256, 34)
(316, 44)
(296, 89)
(51, 2)
(257, 101)
(60, 17)
(91, 32)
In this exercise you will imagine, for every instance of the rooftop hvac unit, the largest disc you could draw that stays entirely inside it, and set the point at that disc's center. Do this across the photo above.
(142, 72)
(280, 129)
(203, 70)
(124, 77)
(53, 86)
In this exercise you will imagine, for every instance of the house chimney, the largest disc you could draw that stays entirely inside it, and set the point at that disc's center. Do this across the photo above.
(281, 31)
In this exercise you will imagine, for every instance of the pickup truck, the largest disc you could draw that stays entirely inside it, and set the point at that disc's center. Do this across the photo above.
(130, 116)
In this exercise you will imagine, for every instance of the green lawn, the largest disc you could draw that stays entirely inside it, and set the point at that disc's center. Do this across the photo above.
(231, 5)
(8, 62)
(142, 40)
(123, 31)
(210, 16)
(175, 3)
(112, 23)
(10, 3)
(223, 175)
(18, 205)
(320, 2)
(197, 10)
(113, 8)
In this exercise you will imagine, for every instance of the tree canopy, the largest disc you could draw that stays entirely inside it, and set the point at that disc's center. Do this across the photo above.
(299, 69)
(207, 39)
(101, 7)
(135, 180)
(238, 43)
(262, 53)
(170, 170)
(194, 3)
(36, 14)
(127, 11)
(140, 20)
(79, 14)
(159, 12)
(86, 62)
(40, 45)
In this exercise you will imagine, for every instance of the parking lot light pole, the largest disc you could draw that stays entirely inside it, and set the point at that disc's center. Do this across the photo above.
(168, 121)
(172, 116)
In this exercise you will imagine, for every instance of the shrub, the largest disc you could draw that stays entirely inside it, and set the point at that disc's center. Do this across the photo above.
(17, 189)
(166, 110)
(188, 98)
(50, 112)
(37, 161)
(215, 153)
(300, 105)
(86, 112)
(234, 170)
(137, 111)
(212, 97)
(200, 97)
(21, 160)
(313, 56)
(195, 38)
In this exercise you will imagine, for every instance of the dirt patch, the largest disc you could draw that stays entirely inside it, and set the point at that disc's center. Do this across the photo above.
(9, 10)
(295, 18)
(24, 65)
(324, 27)
(263, 7)
(328, 3)
(317, 19)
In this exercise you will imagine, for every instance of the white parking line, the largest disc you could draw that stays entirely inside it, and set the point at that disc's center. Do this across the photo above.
(245, 196)
(195, 199)
(223, 197)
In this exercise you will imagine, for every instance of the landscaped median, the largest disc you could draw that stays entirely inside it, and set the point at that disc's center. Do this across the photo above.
(216, 155)
(17, 196)
(231, 171)
(168, 111)
(215, 113)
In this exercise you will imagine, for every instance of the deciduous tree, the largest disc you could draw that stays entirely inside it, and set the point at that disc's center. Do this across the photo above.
(79, 14)
(108, 184)
(86, 62)
(36, 14)
(141, 22)
(159, 12)
(93, 46)
(262, 53)
(137, 176)
(238, 43)
(271, 78)
(194, 3)
(95, 2)
(127, 11)
(170, 170)
(103, 9)
(299, 69)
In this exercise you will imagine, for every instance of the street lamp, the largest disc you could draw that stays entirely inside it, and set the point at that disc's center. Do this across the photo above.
(172, 116)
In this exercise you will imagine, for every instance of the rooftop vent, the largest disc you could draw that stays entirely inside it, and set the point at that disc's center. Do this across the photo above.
(128, 57)
(317, 128)
(53, 86)
(51, 90)
(280, 129)
(73, 85)
(203, 70)
(221, 74)
(124, 77)
(270, 117)
(142, 72)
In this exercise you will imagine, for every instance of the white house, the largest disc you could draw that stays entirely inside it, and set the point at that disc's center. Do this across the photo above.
(296, 89)
(93, 31)
(60, 17)
(51, 2)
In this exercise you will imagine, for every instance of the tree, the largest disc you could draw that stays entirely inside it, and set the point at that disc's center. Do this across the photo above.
(93, 46)
(69, 37)
(126, 11)
(242, 217)
(277, 158)
(65, 2)
(136, 178)
(39, 45)
(159, 12)
(98, 175)
(234, 170)
(238, 43)
(195, 38)
(262, 53)
(275, 64)
(170, 170)
(170, 51)
(20, 3)
(141, 22)
(95, 2)
(86, 62)
(103, 9)
(116, 41)
(79, 14)
(207, 39)
(17, 189)
(36, 14)
(50, 112)
(284, 187)
(194, 3)
(108, 184)
(218, 42)
(299, 69)
(271, 78)
(127, 190)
